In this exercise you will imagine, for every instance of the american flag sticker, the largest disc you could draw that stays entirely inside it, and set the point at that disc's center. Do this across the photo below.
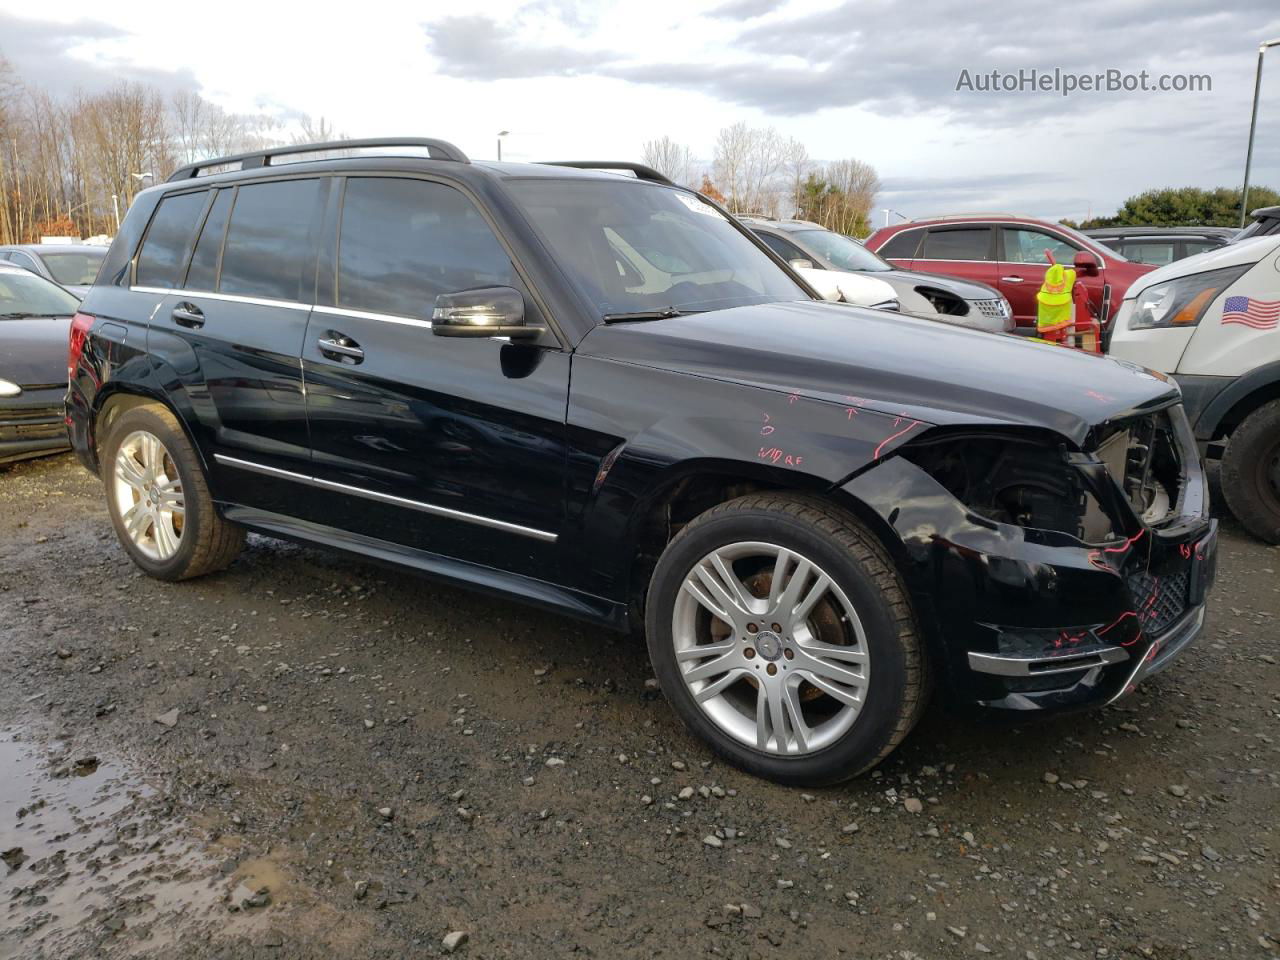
(1259, 314)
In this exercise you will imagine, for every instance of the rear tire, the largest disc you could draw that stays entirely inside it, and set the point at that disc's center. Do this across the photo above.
(792, 689)
(158, 498)
(1251, 472)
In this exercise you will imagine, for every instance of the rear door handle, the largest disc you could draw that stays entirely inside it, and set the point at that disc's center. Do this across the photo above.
(1013, 279)
(338, 347)
(188, 315)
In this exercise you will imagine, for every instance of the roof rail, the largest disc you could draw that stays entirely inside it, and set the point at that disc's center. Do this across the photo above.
(436, 150)
(641, 171)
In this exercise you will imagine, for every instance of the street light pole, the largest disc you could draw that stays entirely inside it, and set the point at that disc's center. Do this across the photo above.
(1253, 125)
(115, 205)
(501, 134)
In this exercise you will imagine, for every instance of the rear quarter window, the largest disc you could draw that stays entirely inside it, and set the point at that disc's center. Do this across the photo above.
(163, 256)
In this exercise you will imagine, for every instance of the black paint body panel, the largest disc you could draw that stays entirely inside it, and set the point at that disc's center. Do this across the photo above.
(561, 448)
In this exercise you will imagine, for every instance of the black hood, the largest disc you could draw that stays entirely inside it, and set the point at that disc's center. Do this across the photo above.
(34, 351)
(929, 371)
(965, 289)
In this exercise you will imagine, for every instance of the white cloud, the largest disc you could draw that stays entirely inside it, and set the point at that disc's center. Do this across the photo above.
(868, 79)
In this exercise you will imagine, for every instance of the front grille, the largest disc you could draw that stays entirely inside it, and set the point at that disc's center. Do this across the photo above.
(990, 308)
(1159, 601)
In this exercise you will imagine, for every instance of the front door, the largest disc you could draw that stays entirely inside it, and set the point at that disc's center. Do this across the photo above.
(452, 446)
(1022, 266)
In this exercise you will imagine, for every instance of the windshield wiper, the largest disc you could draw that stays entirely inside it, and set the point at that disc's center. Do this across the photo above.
(30, 316)
(665, 313)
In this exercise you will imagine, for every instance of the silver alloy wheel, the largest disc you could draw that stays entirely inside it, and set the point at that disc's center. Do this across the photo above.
(148, 494)
(771, 648)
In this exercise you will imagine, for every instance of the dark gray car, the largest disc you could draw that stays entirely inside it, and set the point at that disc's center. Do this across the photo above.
(35, 320)
(70, 265)
(1161, 245)
(923, 294)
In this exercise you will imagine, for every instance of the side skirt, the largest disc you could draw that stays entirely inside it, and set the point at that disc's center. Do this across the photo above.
(472, 576)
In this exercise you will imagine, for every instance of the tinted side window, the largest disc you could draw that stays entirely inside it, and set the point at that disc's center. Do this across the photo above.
(203, 274)
(164, 251)
(1192, 247)
(269, 245)
(962, 244)
(1159, 252)
(901, 246)
(405, 242)
(1028, 246)
(782, 248)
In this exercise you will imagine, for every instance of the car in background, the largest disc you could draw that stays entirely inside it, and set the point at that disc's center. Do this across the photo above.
(1008, 252)
(1161, 245)
(812, 247)
(70, 265)
(1266, 221)
(1212, 322)
(35, 320)
(840, 286)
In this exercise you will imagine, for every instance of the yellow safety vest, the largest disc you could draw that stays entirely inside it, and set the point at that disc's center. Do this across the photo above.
(1053, 301)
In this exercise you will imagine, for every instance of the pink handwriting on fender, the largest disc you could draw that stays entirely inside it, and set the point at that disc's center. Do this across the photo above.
(777, 455)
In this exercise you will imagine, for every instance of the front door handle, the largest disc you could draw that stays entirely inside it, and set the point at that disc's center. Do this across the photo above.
(187, 315)
(1013, 279)
(335, 346)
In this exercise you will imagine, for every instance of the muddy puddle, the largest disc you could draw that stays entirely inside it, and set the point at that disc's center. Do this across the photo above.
(94, 862)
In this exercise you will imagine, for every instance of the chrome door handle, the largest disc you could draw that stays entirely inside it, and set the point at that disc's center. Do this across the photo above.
(331, 347)
(187, 315)
(1013, 279)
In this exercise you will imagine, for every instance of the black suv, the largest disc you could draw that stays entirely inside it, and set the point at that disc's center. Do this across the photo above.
(579, 385)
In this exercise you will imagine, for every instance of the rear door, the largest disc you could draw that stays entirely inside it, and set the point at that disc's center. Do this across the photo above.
(228, 326)
(448, 445)
(964, 250)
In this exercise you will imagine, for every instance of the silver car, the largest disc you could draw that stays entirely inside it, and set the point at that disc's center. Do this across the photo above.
(70, 265)
(956, 301)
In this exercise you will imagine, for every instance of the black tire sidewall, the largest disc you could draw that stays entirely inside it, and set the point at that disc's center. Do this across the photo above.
(196, 507)
(874, 728)
(1244, 487)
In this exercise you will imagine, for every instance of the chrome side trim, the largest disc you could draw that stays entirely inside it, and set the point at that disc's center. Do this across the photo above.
(437, 511)
(380, 497)
(228, 297)
(367, 315)
(1044, 666)
(287, 304)
(261, 468)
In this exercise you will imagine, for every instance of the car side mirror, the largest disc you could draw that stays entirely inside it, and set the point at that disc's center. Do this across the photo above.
(1086, 264)
(482, 312)
(800, 263)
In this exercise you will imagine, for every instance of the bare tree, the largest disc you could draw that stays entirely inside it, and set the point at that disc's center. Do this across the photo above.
(797, 164)
(748, 165)
(316, 131)
(673, 160)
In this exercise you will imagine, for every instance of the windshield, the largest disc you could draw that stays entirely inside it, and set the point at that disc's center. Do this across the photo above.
(843, 253)
(25, 294)
(635, 248)
(73, 269)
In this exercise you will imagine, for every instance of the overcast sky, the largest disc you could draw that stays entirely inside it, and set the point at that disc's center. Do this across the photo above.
(863, 78)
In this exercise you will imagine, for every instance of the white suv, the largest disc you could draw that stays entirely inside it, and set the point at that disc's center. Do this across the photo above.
(1213, 322)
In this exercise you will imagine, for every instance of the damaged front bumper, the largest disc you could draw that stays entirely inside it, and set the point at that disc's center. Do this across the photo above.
(1031, 620)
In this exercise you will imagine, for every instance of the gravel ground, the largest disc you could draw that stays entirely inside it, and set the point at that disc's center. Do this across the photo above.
(310, 756)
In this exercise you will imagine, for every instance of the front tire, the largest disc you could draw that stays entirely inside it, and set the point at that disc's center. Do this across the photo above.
(781, 634)
(1251, 472)
(158, 499)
